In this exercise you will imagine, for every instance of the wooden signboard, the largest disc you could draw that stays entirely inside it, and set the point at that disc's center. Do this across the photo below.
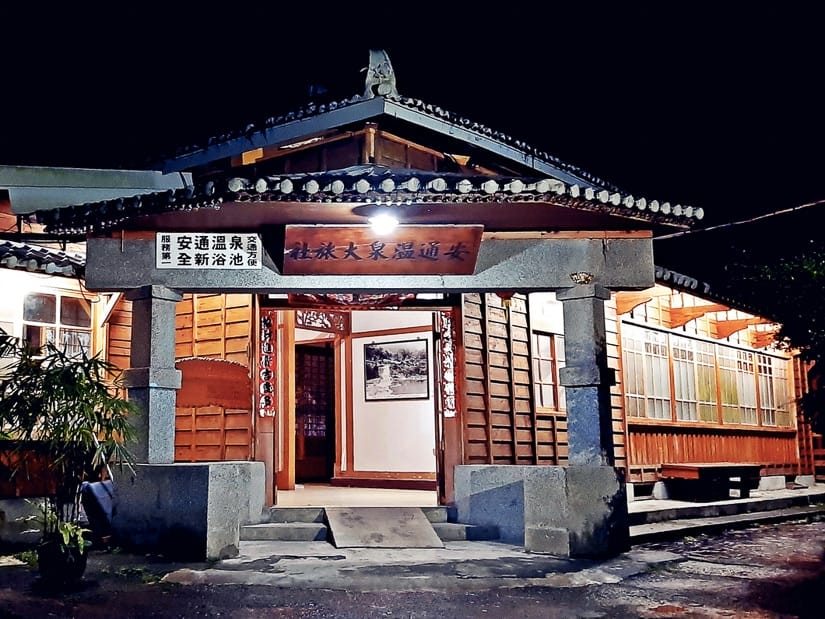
(358, 250)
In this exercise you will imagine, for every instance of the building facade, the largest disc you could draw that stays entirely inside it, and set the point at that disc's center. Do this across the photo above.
(510, 333)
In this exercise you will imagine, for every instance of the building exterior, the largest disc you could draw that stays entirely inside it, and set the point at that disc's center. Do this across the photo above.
(510, 344)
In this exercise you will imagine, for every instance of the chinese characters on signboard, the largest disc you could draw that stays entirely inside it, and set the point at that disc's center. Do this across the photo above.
(357, 250)
(187, 250)
(267, 364)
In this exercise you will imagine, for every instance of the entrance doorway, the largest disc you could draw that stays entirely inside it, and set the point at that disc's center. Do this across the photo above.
(314, 412)
(336, 429)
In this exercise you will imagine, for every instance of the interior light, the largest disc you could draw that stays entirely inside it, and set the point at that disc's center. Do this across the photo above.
(383, 223)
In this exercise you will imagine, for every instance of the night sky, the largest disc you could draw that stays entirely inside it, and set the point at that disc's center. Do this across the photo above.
(721, 109)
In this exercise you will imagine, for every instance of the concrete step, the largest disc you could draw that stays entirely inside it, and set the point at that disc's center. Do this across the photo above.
(460, 532)
(436, 514)
(727, 508)
(284, 532)
(680, 527)
(293, 514)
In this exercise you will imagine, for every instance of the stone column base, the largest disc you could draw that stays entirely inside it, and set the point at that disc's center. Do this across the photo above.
(569, 511)
(188, 511)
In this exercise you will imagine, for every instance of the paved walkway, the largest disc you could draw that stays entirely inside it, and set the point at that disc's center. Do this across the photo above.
(479, 565)
(457, 566)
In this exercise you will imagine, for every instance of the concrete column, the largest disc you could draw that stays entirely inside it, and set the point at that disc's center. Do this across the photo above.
(586, 377)
(153, 380)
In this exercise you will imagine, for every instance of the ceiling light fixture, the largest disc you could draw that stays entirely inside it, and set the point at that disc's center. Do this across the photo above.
(383, 223)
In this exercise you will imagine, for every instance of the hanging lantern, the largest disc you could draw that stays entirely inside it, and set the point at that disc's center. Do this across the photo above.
(506, 298)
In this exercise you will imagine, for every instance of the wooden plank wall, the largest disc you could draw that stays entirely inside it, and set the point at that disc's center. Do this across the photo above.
(614, 361)
(220, 329)
(120, 334)
(652, 445)
(501, 425)
(806, 438)
(216, 326)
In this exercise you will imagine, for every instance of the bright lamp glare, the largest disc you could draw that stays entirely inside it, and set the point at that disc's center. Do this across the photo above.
(383, 223)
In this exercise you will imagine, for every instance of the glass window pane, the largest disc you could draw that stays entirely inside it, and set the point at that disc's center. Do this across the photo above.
(547, 399)
(37, 337)
(75, 312)
(40, 308)
(543, 342)
(546, 371)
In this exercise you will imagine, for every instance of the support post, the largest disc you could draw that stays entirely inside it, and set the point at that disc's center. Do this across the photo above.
(586, 377)
(153, 380)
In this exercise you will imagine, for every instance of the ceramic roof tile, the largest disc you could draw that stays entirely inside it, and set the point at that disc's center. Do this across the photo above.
(363, 184)
(32, 258)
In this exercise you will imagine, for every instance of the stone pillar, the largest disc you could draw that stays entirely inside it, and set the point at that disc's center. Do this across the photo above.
(153, 380)
(586, 377)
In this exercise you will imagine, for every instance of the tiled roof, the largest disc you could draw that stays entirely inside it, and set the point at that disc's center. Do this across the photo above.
(364, 185)
(703, 289)
(34, 258)
(529, 154)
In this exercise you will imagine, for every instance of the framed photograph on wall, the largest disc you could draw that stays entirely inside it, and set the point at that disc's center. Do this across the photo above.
(396, 371)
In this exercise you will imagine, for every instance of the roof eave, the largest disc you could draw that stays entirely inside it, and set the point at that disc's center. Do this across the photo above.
(280, 134)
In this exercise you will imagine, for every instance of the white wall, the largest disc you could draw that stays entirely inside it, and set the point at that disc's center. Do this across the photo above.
(310, 335)
(392, 435)
(376, 320)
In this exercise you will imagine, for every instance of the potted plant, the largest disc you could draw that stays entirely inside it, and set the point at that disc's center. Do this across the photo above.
(66, 410)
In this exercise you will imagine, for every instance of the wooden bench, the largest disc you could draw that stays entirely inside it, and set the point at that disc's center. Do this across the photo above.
(709, 481)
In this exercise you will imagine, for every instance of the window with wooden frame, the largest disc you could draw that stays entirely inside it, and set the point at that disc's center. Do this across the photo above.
(646, 373)
(548, 357)
(706, 381)
(61, 320)
(753, 387)
(774, 400)
(685, 372)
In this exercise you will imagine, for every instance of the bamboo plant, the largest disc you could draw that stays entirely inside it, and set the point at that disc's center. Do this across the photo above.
(71, 409)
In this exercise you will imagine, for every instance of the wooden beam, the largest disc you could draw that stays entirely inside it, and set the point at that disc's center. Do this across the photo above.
(567, 234)
(725, 328)
(627, 300)
(763, 338)
(680, 316)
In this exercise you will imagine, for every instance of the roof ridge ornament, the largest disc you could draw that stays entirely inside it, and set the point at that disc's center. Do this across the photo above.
(380, 76)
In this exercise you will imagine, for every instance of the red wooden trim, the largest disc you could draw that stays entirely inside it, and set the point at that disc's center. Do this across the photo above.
(286, 476)
(339, 410)
(456, 438)
(350, 440)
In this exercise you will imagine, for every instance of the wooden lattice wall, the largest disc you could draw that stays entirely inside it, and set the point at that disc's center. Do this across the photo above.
(119, 335)
(502, 423)
(214, 326)
(501, 426)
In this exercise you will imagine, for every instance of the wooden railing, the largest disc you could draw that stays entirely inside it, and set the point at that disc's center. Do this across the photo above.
(651, 445)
